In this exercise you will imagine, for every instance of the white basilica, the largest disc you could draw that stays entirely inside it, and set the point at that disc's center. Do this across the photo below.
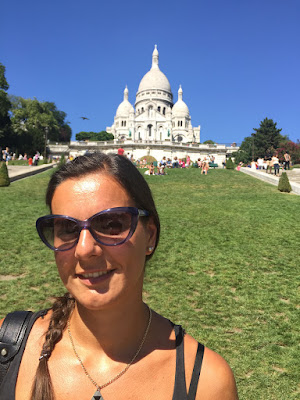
(155, 117)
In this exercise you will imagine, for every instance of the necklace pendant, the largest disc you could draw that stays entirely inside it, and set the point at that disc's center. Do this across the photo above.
(97, 395)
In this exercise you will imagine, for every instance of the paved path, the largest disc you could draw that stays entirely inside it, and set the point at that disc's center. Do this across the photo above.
(294, 177)
(16, 172)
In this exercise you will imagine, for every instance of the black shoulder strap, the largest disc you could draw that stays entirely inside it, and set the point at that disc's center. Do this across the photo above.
(196, 372)
(12, 333)
(180, 383)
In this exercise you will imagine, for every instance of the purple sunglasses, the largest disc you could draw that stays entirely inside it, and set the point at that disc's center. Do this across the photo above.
(110, 227)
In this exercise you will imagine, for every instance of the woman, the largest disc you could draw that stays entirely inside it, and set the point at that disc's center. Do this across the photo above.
(101, 341)
(205, 166)
(275, 163)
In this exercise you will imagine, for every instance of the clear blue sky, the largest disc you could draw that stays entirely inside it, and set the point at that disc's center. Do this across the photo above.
(237, 60)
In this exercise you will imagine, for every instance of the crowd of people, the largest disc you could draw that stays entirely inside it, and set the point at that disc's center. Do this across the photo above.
(7, 155)
(270, 164)
(159, 168)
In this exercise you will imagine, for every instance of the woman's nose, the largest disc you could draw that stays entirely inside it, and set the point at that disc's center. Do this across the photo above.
(87, 246)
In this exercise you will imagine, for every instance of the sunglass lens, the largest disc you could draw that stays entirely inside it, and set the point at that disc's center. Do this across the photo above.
(112, 227)
(60, 233)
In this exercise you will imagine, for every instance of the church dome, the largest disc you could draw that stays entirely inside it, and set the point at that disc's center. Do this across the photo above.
(154, 79)
(125, 108)
(180, 109)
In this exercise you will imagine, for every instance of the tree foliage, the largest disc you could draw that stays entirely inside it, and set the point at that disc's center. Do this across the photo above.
(5, 106)
(284, 183)
(33, 122)
(292, 148)
(267, 138)
(229, 163)
(4, 179)
(209, 141)
(102, 136)
(64, 133)
(262, 142)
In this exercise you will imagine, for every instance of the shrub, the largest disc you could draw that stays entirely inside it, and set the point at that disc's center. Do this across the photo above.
(229, 163)
(62, 160)
(284, 183)
(4, 179)
(149, 159)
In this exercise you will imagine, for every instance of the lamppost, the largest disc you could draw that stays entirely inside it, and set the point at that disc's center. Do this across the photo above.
(46, 138)
(253, 135)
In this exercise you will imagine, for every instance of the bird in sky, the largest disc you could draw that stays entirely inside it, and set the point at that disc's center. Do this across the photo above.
(84, 118)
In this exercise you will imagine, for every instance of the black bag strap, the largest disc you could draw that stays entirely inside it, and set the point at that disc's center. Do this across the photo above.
(196, 372)
(12, 333)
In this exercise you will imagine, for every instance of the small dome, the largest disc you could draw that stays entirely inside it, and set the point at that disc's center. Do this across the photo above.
(180, 109)
(125, 108)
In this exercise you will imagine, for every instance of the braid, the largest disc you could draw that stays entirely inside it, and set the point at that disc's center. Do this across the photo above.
(42, 386)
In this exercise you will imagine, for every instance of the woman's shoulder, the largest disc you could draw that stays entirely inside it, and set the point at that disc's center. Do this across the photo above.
(216, 378)
(41, 321)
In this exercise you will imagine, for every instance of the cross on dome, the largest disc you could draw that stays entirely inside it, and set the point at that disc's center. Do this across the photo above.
(155, 58)
(126, 93)
(180, 91)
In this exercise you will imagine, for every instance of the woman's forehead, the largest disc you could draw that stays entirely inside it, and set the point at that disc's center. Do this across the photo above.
(91, 188)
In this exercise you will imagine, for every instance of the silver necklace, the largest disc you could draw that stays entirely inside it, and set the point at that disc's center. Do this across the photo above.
(123, 370)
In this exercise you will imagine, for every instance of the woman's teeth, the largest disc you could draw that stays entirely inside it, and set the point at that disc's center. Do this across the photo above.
(95, 274)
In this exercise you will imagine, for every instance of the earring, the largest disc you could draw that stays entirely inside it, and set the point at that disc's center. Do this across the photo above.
(150, 248)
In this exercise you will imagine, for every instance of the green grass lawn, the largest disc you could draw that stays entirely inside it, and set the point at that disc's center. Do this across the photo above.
(227, 268)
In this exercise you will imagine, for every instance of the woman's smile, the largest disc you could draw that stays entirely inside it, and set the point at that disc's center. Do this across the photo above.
(95, 278)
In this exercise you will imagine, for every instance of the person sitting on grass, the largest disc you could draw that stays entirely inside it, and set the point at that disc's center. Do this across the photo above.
(161, 169)
(169, 163)
(151, 169)
(101, 340)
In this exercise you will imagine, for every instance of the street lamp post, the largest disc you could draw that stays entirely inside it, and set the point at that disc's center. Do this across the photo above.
(46, 138)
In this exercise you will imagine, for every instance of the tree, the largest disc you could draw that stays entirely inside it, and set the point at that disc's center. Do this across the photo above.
(229, 163)
(267, 138)
(262, 143)
(209, 142)
(95, 136)
(30, 121)
(64, 133)
(4, 179)
(5, 106)
(284, 183)
(34, 122)
(246, 151)
(292, 148)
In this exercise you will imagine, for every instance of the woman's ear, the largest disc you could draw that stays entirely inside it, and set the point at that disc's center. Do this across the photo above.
(151, 231)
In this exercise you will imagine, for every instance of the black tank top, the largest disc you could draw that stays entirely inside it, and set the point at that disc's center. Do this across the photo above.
(7, 390)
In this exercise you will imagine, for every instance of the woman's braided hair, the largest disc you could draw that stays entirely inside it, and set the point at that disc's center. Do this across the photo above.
(127, 175)
(61, 310)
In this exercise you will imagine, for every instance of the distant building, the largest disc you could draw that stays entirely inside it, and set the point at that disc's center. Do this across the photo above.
(155, 117)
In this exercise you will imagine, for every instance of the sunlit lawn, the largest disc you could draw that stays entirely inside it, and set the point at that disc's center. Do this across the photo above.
(227, 268)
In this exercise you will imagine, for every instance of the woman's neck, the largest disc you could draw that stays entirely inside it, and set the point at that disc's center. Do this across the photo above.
(115, 332)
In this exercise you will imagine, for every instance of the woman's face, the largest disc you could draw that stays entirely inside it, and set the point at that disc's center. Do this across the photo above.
(100, 276)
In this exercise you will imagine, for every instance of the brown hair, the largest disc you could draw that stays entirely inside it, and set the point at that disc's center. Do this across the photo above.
(127, 175)
(61, 310)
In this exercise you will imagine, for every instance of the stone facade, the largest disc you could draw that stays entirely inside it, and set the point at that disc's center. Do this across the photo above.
(143, 148)
(155, 116)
